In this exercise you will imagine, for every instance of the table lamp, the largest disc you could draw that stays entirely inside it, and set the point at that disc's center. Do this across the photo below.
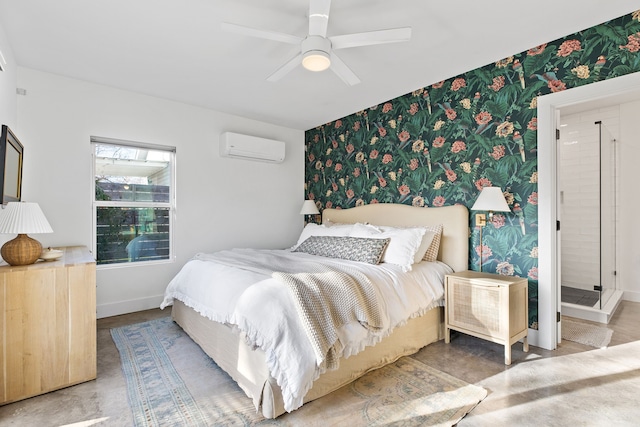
(491, 199)
(22, 218)
(309, 208)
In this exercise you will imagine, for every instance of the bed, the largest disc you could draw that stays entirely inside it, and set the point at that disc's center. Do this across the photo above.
(251, 366)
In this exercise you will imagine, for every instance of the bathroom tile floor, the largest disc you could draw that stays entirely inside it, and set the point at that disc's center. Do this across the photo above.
(579, 296)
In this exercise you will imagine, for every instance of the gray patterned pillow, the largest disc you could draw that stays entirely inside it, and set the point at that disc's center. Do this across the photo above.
(349, 248)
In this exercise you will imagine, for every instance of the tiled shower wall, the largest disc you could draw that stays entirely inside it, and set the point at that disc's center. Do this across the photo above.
(580, 172)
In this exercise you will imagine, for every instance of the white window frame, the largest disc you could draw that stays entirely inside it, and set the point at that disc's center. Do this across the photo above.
(101, 203)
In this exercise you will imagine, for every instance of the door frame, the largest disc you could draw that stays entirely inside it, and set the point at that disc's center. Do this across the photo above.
(608, 92)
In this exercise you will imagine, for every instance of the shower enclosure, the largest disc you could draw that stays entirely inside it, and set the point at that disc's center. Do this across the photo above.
(587, 201)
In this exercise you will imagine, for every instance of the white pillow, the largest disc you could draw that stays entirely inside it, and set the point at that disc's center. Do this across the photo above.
(427, 240)
(403, 246)
(313, 229)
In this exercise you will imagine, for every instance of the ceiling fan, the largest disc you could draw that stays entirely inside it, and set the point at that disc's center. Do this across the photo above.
(316, 49)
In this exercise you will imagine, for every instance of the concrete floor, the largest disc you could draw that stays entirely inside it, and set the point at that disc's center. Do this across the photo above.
(575, 385)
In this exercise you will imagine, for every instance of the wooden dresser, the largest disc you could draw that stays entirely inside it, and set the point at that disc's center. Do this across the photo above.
(48, 324)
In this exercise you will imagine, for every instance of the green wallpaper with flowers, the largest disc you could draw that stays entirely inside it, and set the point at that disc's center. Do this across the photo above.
(440, 144)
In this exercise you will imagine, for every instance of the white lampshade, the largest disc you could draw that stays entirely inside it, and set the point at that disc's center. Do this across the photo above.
(491, 199)
(23, 218)
(309, 208)
(316, 60)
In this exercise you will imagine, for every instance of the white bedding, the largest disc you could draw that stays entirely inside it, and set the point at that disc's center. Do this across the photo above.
(263, 310)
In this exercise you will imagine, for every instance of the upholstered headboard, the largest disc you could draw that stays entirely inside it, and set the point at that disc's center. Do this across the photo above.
(454, 247)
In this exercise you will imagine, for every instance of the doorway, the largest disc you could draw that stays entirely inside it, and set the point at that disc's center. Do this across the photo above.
(613, 91)
(587, 180)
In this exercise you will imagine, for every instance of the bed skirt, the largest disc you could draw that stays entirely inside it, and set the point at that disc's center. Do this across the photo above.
(248, 368)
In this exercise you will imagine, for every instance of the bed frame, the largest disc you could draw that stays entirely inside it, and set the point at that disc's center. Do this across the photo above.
(248, 368)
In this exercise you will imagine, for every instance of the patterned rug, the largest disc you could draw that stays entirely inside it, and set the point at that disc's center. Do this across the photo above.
(586, 333)
(172, 382)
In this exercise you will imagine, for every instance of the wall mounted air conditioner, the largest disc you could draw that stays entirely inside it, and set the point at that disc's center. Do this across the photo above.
(251, 148)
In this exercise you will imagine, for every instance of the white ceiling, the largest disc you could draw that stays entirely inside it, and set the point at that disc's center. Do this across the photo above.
(174, 49)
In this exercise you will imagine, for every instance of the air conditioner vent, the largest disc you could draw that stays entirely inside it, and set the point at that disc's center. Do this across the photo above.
(251, 148)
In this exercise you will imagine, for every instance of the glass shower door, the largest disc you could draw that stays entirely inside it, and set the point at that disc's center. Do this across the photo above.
(579, 209)
(587, 179)
(608, 212)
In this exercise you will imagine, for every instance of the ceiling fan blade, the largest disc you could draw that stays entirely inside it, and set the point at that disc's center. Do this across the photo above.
(263, 34)
(344, 72)
(319, 17)
(280, 72)
(371, 38)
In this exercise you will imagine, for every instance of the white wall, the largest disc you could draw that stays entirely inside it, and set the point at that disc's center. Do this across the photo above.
(7, 84)
(629, 254)
(221, 202)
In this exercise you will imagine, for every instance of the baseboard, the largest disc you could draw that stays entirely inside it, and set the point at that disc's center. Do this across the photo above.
(130, 306)
(631, 296)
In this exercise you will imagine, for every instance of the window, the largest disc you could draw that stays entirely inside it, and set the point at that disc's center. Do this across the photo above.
(133, 201)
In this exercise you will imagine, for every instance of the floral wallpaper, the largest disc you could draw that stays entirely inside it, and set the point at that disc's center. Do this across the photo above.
(441, 144)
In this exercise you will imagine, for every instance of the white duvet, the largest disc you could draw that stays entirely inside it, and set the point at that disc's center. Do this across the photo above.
(263, 309)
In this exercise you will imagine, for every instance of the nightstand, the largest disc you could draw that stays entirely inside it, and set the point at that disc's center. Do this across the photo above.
(487, 306)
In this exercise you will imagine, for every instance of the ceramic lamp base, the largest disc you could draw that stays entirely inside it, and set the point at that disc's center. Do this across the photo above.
(23, 250)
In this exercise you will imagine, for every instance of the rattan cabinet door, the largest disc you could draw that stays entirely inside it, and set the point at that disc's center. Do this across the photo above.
(487, 306)
(475, 307)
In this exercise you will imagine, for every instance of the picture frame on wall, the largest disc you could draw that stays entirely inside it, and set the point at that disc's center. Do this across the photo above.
(11, 158)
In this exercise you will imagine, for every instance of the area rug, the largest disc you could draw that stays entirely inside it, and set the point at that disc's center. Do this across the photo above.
(172, 382)
(586, 333)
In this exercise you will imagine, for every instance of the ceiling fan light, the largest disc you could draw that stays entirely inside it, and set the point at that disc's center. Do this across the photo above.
(316, 60)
